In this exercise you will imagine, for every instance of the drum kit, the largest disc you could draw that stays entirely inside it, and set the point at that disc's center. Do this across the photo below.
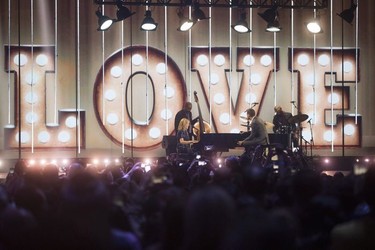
(286, 129)
(295, 132)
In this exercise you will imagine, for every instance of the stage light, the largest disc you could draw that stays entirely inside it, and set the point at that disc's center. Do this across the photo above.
(348, 14)
(185, 23)
(122, 12)
(148, 23)
(314, 26)
(242, 26)
(271, 16)
(104, 21)
(198, 14)
(274, 26)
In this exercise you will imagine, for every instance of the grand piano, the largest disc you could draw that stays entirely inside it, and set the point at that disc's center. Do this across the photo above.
(222, 142)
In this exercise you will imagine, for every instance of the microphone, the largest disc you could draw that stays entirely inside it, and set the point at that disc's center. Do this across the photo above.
(293, 102)
(309, 121)
(255, 103)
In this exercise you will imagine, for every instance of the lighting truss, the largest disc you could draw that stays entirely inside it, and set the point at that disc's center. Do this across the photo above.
(297, 4)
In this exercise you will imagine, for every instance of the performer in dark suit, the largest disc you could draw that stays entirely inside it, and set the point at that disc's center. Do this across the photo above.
(184, 113)
(258, 132)
(280, 120)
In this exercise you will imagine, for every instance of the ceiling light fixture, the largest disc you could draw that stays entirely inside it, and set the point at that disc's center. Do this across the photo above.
(242, 26)
(348, 14)
(104, 21)
(185, 23)
(271, 16)
(122, 12)
(148, 23)
(314, 26)
(198, 14)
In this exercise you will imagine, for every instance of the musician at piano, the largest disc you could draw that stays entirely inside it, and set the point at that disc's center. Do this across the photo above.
(280, 121)
(258, 131)
(184, 140)
(184, 113)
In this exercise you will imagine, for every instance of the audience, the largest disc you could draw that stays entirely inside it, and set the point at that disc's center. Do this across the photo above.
(185, 206)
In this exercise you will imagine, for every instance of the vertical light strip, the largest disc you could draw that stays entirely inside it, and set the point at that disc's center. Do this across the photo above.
(230, 66)
(20, 78)
(131, 123)
(78, 104)
(342, 84)
(56, 64)
(189, 60)
(274, 69)
(314, 70)
(32, 72)
(209, 64)
(146, 77)
(292, 59)
(356, 64)
(166, 63)
(250, 51)
(103, 74)
(9, 62)
(122, 92)
(331, 72)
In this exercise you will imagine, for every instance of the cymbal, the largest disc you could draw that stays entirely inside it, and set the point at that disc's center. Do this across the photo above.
(298, 118)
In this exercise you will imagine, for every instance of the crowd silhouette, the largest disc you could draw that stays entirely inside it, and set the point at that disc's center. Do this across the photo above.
(187, 205)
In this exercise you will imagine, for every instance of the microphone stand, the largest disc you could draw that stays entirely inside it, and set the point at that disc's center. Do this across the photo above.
(299, 128)
(253, 104)
(312, 138)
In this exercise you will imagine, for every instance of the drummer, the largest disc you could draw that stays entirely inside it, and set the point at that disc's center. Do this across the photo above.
(280, 121)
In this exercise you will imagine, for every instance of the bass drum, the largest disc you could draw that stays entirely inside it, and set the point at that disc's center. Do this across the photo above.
(284, 130)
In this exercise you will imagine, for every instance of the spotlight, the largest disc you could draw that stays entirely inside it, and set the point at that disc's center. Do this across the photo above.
(148, 23)
(348, 14)
(271, 16)
(198, 14)
(314, 26)
(274, 26)
(122, 12)
(103, 21)
(185, 23)
(241, 26)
